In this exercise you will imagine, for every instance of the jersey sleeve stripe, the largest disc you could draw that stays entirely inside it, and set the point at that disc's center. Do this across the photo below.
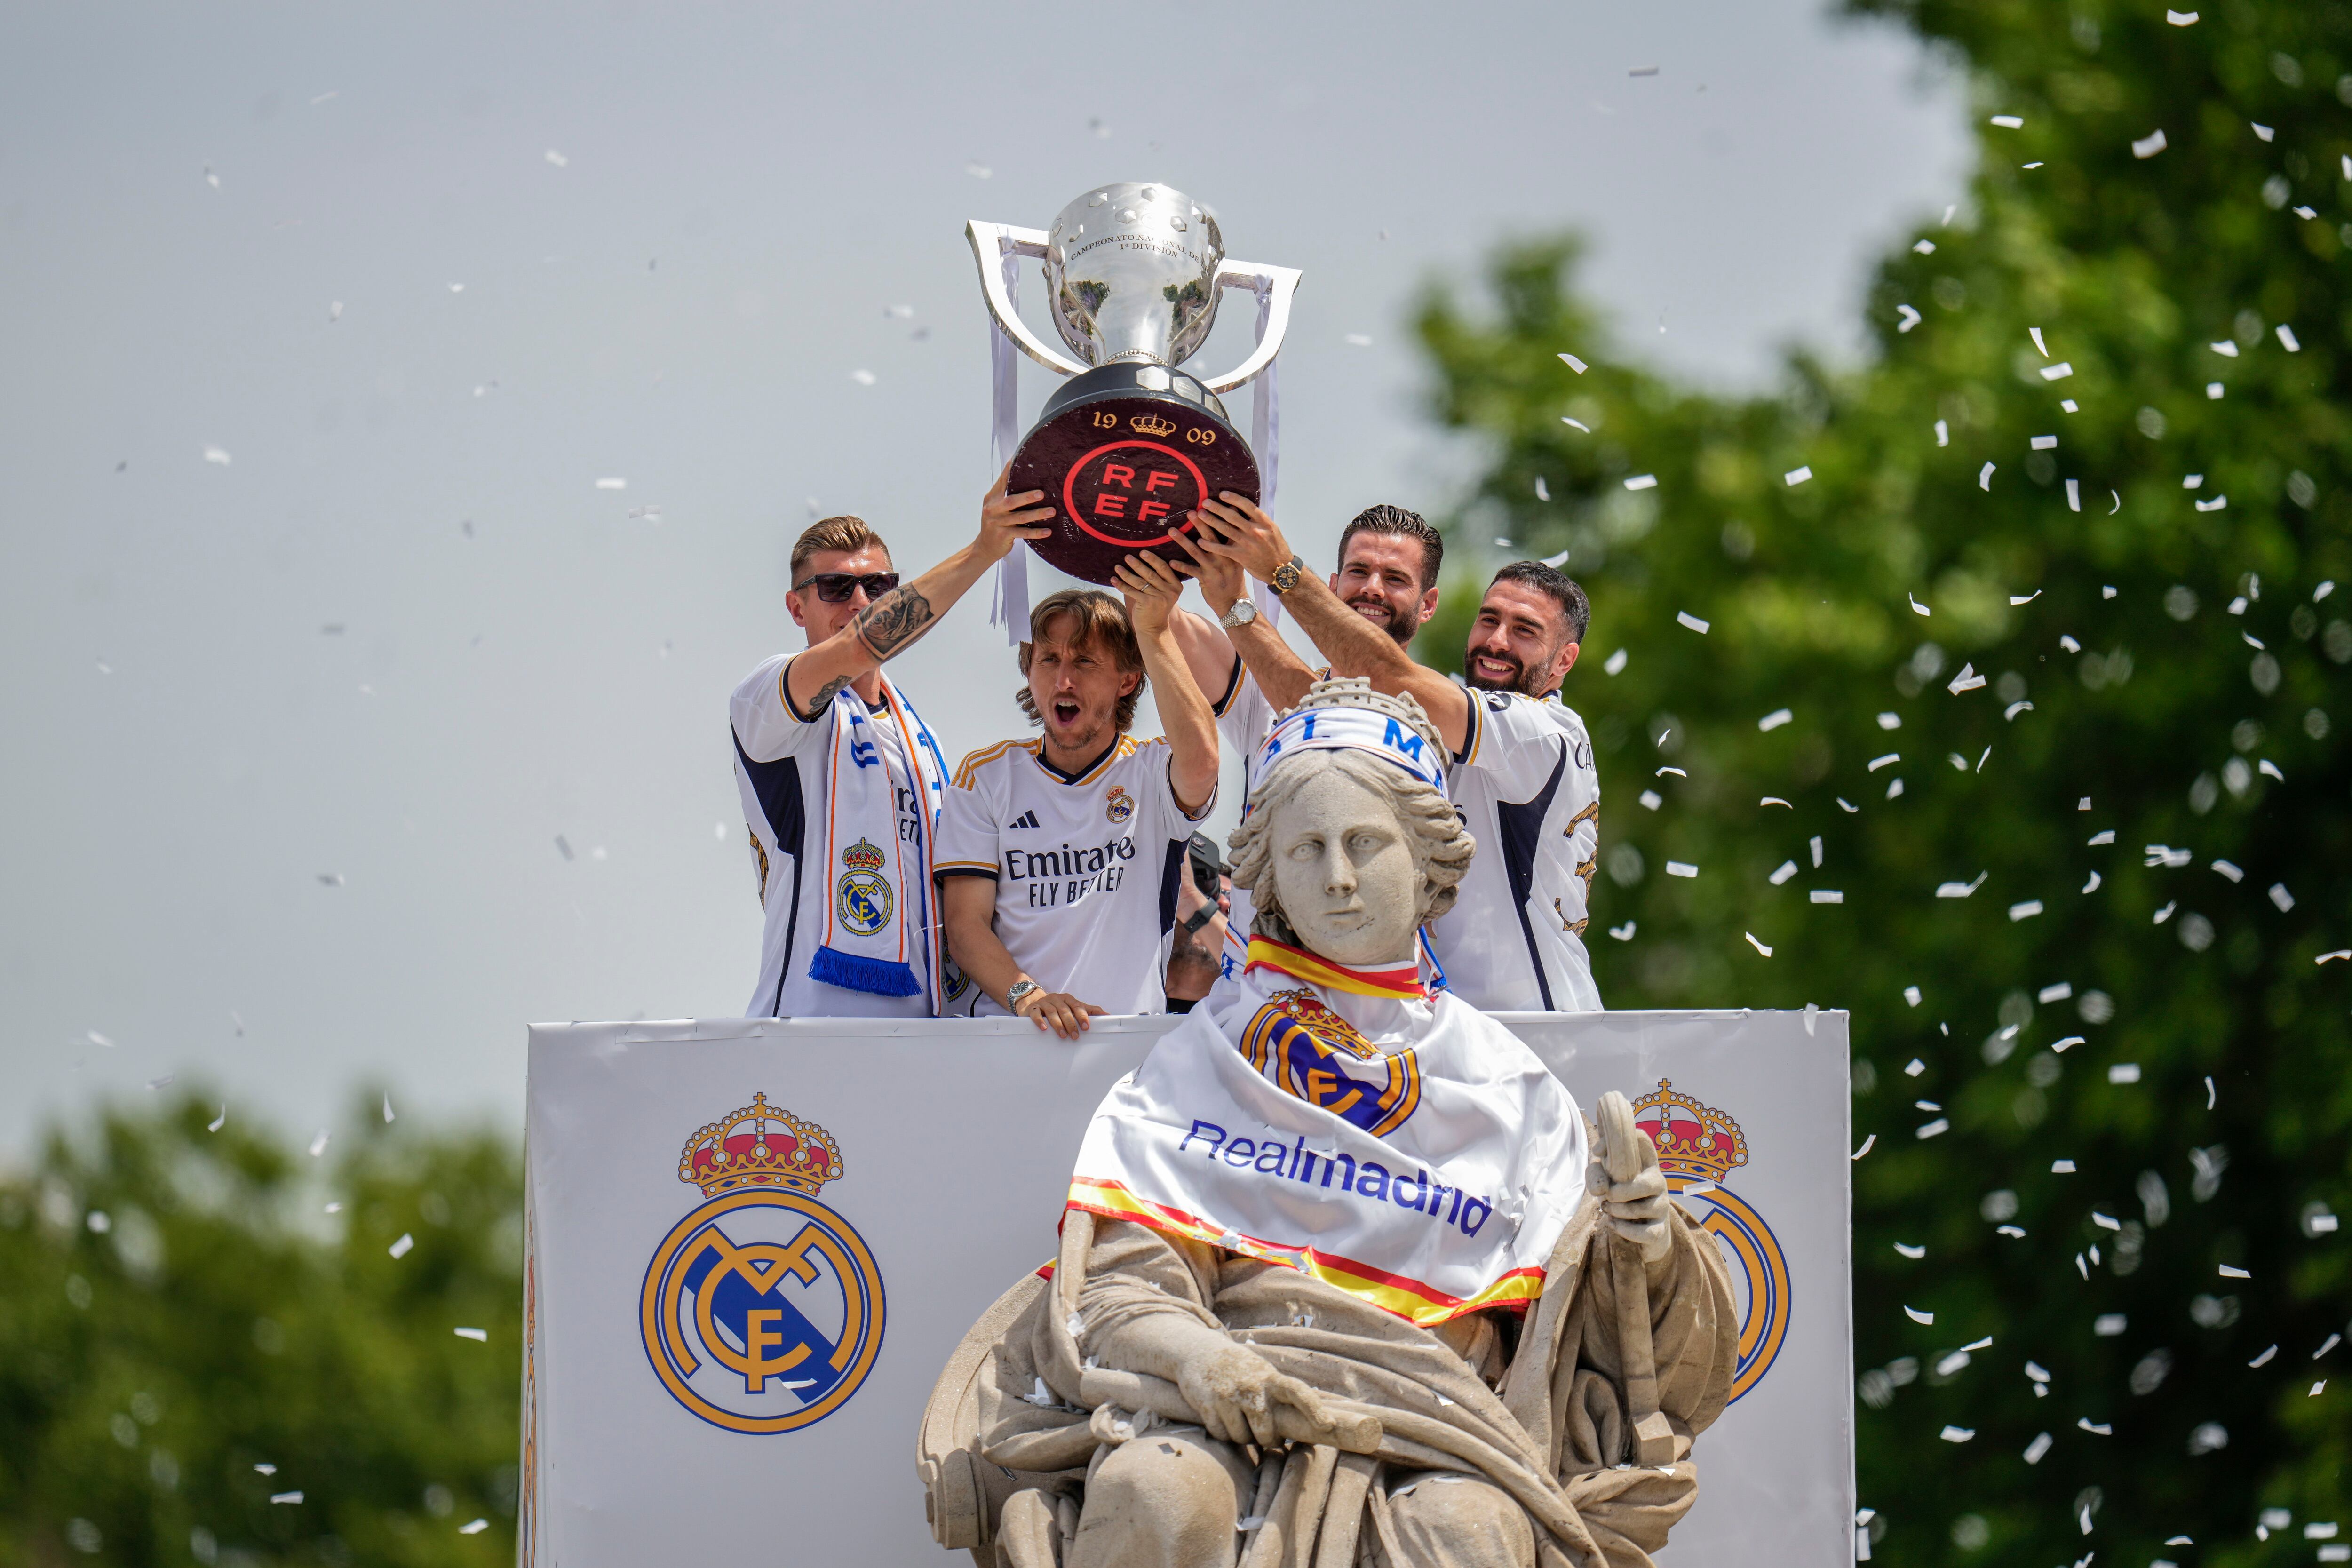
(784, 693)
(1223, 705)
(967, 770)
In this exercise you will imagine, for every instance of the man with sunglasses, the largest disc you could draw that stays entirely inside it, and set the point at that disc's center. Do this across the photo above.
(840, 780)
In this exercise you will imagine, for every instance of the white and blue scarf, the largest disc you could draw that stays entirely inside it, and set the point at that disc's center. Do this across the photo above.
(878, 889)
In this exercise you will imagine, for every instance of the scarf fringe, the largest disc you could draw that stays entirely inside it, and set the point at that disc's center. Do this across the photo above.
(876, 976)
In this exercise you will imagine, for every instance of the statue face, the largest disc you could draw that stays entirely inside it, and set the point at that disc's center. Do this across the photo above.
(1344, 872)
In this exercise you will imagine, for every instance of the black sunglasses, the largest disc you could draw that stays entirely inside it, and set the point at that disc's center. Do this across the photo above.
(835, 587)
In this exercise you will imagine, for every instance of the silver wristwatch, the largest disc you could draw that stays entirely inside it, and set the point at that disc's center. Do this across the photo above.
(1018, 993)
(1243, 613)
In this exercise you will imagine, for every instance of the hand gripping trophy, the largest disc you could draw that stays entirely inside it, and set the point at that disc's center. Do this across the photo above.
(1344, 1274)
(1131, 444)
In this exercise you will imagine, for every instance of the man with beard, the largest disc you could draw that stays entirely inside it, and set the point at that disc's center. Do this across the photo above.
(1389, 562)
(1522, 773)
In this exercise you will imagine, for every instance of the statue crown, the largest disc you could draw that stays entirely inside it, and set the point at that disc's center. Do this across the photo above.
(1692, 1140)
(760, 1146)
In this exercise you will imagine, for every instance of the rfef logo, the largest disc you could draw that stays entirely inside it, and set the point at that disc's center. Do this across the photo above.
(1133, 493)
(763, 1309)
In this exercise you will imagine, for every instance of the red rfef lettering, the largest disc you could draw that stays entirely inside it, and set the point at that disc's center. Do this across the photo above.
(1110, 506)
(1150, 510)
(1159, 479)
(1120, 474)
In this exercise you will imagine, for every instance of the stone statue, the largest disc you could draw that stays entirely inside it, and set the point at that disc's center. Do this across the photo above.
(1346, 1278)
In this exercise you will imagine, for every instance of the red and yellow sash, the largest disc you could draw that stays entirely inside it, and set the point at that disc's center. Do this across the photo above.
(1400, 983)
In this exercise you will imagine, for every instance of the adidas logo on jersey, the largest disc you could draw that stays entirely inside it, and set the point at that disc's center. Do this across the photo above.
(1026, 819)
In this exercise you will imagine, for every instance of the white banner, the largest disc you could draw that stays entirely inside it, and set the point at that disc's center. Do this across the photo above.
(732, 1324)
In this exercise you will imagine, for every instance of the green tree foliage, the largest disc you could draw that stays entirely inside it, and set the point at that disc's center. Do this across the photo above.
(2147, 666)
(180, 1308)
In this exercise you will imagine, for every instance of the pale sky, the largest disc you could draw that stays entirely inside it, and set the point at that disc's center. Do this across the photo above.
(307, 571)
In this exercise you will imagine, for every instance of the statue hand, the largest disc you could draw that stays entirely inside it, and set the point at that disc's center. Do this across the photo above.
(1235, 1391)
(1626, 1178)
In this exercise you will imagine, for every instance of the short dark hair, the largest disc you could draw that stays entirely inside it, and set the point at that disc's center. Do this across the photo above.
(1562, 588)
(1386, 518)
(842, 534)
(1101, 620)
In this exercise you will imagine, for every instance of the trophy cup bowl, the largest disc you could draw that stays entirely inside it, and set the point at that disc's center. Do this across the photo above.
(1124, 451)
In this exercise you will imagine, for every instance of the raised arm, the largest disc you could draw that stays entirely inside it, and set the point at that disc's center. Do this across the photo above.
(1234, 529)
(897, 620)
(1151, 586)
(1278, 670)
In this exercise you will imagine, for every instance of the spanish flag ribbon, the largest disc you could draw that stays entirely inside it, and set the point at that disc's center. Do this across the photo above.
(1402, 983)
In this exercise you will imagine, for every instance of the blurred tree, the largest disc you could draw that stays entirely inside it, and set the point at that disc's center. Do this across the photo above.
(2029, 649)
(195, 1324)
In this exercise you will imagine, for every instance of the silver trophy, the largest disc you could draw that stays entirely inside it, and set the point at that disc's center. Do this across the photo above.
(1131, 444)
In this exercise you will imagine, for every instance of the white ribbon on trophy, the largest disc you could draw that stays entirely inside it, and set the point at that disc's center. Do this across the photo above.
(998, 249)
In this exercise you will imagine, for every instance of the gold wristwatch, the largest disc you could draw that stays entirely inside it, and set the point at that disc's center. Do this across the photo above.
(1286, 576)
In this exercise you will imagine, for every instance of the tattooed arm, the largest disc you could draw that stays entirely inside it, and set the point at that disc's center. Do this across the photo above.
(897, 620)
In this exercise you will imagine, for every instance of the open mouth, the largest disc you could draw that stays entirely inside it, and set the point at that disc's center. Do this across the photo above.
(1066, 712)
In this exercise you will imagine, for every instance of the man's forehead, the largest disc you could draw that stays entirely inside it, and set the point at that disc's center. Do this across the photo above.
(1514, 600)
(1056, 635)
(1396, 551)
(873, 556)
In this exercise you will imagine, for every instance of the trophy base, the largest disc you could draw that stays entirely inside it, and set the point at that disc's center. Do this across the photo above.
(1125, 453)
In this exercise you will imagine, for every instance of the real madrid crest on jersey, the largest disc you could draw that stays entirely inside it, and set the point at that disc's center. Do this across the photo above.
(861, 897)
(1118, 805)
(1697, 1147)
(763, 1309)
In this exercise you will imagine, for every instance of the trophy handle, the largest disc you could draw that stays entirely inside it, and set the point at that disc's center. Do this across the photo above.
(1277, 285)
(991, 243)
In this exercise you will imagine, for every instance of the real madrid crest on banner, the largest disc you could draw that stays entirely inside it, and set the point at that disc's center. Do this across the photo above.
(862, 898)
(1697, 1147)
(763, 1309)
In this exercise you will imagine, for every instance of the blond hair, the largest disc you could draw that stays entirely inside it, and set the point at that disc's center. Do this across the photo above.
(1101, 620)
(839, 535)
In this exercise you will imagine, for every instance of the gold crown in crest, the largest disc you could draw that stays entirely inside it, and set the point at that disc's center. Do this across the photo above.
(861, 857)
(760, 1146)
(1150, 424)
(1692, 1140)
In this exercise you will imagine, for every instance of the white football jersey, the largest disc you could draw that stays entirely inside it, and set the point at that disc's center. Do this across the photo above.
(1528, 790)
(1085, 866)
(780, 773)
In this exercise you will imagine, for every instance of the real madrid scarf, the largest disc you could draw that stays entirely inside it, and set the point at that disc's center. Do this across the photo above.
(877, 910)
(1413, 1153)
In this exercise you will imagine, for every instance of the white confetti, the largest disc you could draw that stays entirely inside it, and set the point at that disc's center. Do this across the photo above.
(2286, 339)
(2087, 1425)
(401, 1249)
(1916, 607)
(2026, 911)
(2038, 1447)
(1795, 477)
(1572, 363)
(2009, 121)
(2058, 371)
(2149, 145)
(2062, 1167)
(1909, 1251)
(1643, 482)
(217, 455)
(2181, 18)
(1958, 1434)
(1681, 868)
(1967, 681)
(1911, 319)
(2264, 1359)
(474, 1527)
(2229, 1273)
(1825, 895)
(217, 1123)
(286, 1497)
(1960, 889)
(1984, 477)
(1878, 762)
(1775, 719)
(613, 484)
(558, 159)
(1614, 664)
(1866, 1148)
(1916, 1316)
(1685, 618)
(861, 377)
(479, 1336)
(2281, 897)
(1936, 1128)
(1757, 946)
